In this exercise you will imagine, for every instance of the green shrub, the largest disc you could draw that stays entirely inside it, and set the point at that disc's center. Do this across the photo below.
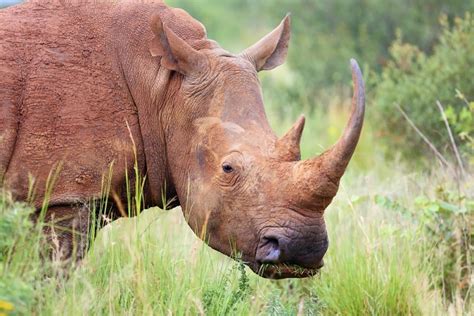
(463, 124)
(415, 81)
(16, 236)
(445, 220)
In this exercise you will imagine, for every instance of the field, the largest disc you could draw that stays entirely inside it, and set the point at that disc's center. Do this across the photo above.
(400, 228)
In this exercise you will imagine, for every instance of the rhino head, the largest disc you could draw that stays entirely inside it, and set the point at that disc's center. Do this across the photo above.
(241, 188)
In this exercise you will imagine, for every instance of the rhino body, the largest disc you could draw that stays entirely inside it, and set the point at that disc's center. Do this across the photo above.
(71, 80)
(87, 88)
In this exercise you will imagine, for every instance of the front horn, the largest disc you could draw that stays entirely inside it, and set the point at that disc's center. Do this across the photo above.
(324, 172)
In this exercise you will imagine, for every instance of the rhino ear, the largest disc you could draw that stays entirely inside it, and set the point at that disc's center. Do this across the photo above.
(271, 50)
(175, 53)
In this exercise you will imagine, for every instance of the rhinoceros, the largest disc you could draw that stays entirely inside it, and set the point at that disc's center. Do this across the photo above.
(142, 88)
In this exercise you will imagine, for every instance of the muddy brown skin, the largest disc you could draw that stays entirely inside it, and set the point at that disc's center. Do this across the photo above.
(78, 83)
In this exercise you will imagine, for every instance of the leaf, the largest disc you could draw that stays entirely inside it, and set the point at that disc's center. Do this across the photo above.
(448, 207)
(450, 115)
(433, 208)
(421, 200)
(355, 199)
(471, 106)
(380, 200)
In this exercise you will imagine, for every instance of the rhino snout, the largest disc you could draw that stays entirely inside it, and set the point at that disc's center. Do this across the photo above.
(292, 249)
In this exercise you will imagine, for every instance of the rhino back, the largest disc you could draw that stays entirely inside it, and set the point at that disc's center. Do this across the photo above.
(64, 101)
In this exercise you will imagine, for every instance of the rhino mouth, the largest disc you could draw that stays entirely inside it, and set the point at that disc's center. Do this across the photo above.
(284, 270)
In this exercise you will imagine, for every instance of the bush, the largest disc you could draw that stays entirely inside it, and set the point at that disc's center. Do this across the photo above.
(325, 35)
(445, 220)
(415, 81)
(16, 228)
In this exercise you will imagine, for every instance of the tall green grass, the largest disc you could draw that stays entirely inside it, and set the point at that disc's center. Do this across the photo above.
(381, 261)
(153, 264)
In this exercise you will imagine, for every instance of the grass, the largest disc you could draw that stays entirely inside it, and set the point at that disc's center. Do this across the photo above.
(153, 264)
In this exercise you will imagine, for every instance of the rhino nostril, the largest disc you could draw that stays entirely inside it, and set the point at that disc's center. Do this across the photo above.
(269, 251)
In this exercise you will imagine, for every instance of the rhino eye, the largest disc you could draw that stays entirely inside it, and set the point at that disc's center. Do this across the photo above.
(227, 167)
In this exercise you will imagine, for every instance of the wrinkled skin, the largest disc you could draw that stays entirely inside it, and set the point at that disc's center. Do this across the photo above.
(80, 82)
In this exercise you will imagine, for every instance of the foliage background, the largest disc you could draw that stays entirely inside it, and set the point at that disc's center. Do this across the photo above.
(412, 53)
